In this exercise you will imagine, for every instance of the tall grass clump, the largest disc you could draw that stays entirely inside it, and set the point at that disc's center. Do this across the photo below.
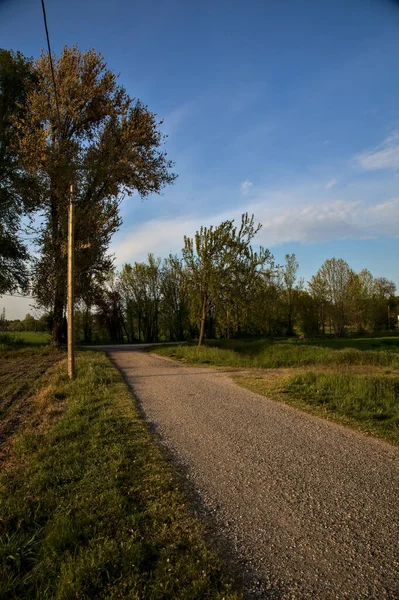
(363, 397)
(205, 355)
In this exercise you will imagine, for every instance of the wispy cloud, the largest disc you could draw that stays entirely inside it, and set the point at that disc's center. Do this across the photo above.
(385, 156)
(329, 221)
(246, 187)
(330, 184)
(158, 236)
(175, 117)
(304, 222)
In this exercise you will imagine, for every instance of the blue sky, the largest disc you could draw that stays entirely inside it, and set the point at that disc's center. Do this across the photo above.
(288, 109)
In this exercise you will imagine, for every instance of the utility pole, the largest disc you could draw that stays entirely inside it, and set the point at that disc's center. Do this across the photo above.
(389, 318)
(71, 235)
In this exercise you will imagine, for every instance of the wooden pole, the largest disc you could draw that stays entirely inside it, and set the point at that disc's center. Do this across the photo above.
(71, 227)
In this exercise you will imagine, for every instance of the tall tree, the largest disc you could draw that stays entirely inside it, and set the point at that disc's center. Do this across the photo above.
(141, 290)
(221, 264)
(331, 285)
(291, 288)
(174, 298)
(104, 142)
(18, 192)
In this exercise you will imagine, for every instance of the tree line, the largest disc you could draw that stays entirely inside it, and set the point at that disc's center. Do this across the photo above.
(221, 287)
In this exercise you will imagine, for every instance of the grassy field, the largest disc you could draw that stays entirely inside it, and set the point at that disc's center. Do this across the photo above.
(353, 381)
(9, 340)
(89, 508)
(267, 354)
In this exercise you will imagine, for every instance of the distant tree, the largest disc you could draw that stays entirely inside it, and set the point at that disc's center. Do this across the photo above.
(309, 314)
(174, 299)
(18, 190)
(264, 314)
(140, 287)
(29, 323)
(109, 307)
(384, 295)
(221, 265)
(43, 323)
(331, 285)
(291, 288)
(104, 142)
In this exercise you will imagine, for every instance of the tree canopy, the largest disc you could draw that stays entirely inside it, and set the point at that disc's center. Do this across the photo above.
(18, 190)
(104, 142)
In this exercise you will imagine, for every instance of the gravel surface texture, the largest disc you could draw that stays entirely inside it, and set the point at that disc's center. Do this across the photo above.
(309, 508)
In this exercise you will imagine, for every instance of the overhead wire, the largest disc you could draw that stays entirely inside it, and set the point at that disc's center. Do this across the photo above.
(51, 64)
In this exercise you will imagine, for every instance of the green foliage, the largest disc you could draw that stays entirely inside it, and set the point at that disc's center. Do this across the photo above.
(107, 145)
(17, 189)
(9, 340)
(140, 286)
(92, 510)
(222, 269)
(344, 297)
(291, 289)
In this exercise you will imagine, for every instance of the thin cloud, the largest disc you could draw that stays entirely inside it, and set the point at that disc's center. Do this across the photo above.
(158, 236)
(330, 184)
(246, 187)
(306, 223)
(330, 221)
(385, 156)
(173, 121)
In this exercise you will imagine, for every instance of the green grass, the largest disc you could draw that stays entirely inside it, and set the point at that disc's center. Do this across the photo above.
(89, 508)
(270, 355)
(386, 341)
(9, 340)
(366, 402)
(34, 337)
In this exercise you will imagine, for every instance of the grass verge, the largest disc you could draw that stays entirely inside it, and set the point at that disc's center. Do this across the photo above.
(269, 355)
(369, 403)
(89, 508)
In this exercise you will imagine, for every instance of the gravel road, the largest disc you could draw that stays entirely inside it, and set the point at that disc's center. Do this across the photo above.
(310, 509)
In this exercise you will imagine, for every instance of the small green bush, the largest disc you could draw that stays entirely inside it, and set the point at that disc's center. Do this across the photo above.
(9, 341)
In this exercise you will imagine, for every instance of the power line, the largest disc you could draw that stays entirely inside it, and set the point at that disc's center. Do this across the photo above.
(51, 64)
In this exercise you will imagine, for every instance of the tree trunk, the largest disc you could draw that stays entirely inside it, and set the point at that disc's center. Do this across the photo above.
(203, 319)
(58, 314)
(59, 271)
(289, 328)
(87, 330)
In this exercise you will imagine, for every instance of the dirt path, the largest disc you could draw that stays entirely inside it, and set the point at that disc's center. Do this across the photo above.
(310, 507)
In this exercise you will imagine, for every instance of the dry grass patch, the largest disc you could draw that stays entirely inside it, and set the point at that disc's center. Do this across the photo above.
(24, 390)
